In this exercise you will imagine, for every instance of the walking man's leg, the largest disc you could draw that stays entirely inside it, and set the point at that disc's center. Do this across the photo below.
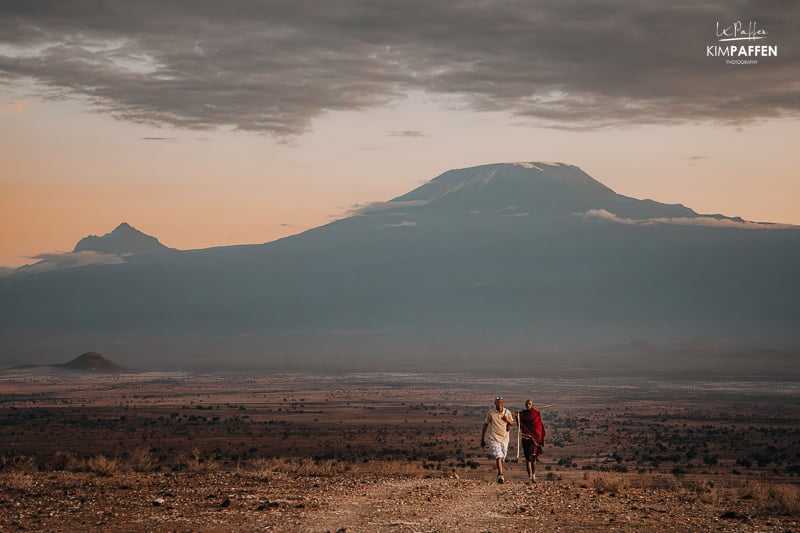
(499, 452)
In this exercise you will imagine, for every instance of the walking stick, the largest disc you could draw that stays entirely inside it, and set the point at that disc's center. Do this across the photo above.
(519, 436)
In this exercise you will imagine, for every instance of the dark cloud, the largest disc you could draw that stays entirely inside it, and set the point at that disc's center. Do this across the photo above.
(273, 66)
(164, 139)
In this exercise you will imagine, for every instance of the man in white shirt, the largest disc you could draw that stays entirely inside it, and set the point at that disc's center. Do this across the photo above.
(497, 421)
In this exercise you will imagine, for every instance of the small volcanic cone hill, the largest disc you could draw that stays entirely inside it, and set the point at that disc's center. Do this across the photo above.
(92, 362)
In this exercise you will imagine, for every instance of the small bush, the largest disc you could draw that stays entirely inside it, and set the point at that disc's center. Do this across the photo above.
(102, 465)
(645, 481)
(391, 468)
(20, 463)
(19, 481)
(265, 475)
(142, 460)
(774, 498)
(196, 463)
(703, 490)
(308, 466)
(68, 461)
(609, 483)
(261, 469)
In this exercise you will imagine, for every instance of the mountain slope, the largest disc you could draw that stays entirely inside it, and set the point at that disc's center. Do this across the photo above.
(443, 277)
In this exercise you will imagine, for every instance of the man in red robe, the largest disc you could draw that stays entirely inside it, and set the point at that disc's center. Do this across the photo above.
(532, 433)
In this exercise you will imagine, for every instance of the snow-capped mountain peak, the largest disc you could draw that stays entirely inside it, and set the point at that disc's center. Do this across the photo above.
(538, 188)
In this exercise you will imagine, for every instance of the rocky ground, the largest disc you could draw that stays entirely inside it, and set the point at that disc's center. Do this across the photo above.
(354, 501)
(391, 452)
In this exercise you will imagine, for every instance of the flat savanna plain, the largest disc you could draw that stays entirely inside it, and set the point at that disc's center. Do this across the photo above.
(391, 452)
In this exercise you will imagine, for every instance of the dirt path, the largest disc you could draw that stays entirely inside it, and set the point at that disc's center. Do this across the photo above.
(355, 503)
(413, 505)
(480, 505)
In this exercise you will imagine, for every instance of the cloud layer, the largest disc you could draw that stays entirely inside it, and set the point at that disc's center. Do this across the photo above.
(273, 66)
(686, 221)
(55, 261)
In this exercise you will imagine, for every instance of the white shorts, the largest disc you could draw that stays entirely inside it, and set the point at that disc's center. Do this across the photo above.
(499, 449)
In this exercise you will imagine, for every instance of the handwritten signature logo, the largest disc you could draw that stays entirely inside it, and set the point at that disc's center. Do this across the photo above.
(739, 32)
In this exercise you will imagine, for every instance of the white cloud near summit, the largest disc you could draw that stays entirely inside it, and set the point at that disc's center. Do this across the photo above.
(685, 221)
(375, 207)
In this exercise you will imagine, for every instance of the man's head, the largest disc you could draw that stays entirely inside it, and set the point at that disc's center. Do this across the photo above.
(529, 404)
(498, 403)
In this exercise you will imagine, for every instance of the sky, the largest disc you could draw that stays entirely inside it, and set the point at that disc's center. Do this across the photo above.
(207, 123)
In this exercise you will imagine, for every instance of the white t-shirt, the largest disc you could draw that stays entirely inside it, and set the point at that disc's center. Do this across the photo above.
(497, 426)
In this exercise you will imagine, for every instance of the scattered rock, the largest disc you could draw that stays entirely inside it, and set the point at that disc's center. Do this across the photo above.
(225, 503)
(158, 502)
(733, 515)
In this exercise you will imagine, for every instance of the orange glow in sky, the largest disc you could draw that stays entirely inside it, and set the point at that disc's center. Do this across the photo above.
(217, 130)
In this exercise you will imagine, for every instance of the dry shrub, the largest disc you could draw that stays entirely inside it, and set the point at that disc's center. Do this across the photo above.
(68, 461)
(606, 482)
(196, 463)
(310, 467)
(687, 490)
(391, 468)
(262, 469)
(102, 465)
(264, 474)
(19, 463)
(266, 464)
(19, 481)
(142, 460)
(306, 466)
(655, 481)
(773, 498)
(702, 490)
(645, 481)
(708, 492)
(671, 483)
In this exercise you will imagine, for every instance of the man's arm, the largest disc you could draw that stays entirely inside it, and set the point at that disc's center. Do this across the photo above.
(508, 418)
(483, 434)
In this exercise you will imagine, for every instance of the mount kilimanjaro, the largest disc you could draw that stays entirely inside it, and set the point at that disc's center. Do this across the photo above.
(484, 267)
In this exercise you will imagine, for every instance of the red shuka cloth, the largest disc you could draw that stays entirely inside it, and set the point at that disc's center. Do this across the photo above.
(530, 424)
